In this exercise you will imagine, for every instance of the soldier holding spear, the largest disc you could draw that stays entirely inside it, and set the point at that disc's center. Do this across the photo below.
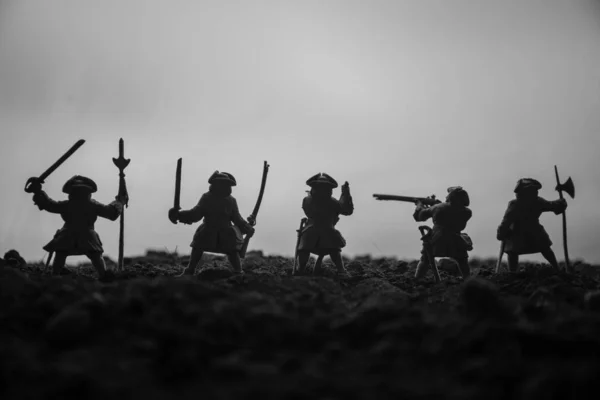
(80, 211)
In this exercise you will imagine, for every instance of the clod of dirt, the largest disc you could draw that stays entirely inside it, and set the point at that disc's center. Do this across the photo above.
(211, 273)
(69, 326)
(376, 292)
(14, 281)
(591, 300)
(14, 259)
(481, 299)
(448, 265)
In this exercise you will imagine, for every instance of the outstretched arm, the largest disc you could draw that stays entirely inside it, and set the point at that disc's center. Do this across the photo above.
(557, 206)
(44, 202)
(240, 222)
(110, 211)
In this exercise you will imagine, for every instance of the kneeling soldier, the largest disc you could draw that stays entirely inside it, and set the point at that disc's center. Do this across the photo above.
(216, 234)
(520, 229)
(80, 211)
(322, 211)
(449, 219)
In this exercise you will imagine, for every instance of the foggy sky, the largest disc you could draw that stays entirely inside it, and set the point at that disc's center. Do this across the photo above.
(399, 97)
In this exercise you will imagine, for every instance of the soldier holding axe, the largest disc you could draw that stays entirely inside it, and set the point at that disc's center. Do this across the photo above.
(318, 235)
(221, 231)
(520, 230)
(80, 211)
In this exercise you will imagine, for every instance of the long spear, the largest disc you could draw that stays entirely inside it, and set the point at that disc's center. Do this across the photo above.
(122, 163)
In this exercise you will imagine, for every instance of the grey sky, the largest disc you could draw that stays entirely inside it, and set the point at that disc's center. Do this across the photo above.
(404, 97)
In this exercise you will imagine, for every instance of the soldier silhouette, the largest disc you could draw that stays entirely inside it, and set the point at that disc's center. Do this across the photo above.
(80, 212)
(520, 229)
(319, 236)
(449, 219)
(221, 231)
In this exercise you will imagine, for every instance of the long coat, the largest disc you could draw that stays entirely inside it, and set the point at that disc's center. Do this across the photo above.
(448, 222)
(521, 229)
(77, 236)
(319, 235)
(221, 231)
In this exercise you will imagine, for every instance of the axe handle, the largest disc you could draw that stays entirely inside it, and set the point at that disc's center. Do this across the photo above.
(121, 240)
(564, 223)
(564, 226)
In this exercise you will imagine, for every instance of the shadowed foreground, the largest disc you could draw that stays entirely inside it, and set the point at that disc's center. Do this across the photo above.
(271, 335)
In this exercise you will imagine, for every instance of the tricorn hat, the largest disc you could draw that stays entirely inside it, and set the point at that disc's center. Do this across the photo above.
(79, 182)
(527, 183)
(222, 177)
(322, 179)
(457, 192)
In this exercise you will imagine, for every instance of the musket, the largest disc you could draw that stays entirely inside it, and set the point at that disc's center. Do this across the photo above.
(428, 201)
(302, 224)
(122, 163)
(252, 217)
(33, 182)
(570, 189)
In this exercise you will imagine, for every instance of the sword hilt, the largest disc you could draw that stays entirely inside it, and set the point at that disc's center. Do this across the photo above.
(33, 185)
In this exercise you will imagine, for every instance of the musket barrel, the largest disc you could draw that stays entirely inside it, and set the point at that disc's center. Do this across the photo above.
(395, 197)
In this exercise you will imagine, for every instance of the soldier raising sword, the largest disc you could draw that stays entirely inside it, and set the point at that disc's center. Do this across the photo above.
(79, 212)
(222, 228)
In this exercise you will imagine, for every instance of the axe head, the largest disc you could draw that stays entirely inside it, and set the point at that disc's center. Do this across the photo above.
(567, 187)
(121, 162)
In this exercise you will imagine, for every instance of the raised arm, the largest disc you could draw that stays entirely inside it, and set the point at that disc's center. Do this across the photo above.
(44, 202)
(346, 204)
(110, 211)
(237, 219)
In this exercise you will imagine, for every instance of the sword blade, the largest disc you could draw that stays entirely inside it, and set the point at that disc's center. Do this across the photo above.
(61, 160)
(263, 183)
(176, 201)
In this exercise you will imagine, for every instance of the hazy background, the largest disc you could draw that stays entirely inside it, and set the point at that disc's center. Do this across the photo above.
(401, 97)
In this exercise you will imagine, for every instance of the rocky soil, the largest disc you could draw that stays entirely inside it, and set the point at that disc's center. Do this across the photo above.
(266, 334)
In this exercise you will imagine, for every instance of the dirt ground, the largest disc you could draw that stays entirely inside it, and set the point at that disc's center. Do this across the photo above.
(222, 336)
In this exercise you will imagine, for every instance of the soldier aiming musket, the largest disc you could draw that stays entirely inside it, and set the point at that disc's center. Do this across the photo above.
(446, 238)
